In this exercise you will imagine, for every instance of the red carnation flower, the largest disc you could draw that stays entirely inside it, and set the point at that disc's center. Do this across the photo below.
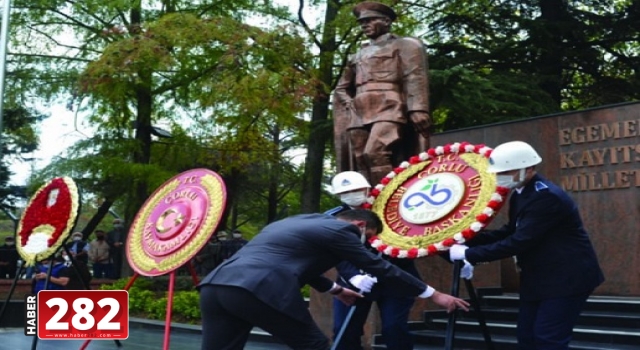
(482, 218)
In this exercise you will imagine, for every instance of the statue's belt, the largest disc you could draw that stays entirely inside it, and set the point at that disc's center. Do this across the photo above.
(377, 87)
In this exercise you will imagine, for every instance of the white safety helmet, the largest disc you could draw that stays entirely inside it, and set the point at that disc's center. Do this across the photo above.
(348, 181)
(511, 156)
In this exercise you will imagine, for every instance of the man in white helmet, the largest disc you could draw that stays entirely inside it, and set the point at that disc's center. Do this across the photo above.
(558, 265)
(353, 190)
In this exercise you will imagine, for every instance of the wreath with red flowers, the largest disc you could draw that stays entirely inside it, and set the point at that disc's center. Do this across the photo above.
(480, 218)
(47, 220)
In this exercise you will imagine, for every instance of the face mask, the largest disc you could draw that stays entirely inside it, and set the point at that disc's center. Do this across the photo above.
(66, 258)
(10, 243)
(76, 239)
(118, 226)
(508, 181)
(237, 235)
(353, 199)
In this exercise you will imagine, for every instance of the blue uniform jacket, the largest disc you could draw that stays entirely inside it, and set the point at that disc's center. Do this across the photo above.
(552, 248)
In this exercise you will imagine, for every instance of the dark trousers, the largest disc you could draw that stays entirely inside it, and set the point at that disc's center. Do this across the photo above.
(394, 316)
(101, 270)
(548, 324)
(229, 313)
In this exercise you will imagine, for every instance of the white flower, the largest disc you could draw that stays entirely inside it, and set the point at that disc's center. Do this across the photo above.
(455, 148)
(496, 197)
(423, 156)
(439, 150)
(476, 226)
(37, 243)
(488, 211)
(404, 164)
(469, 148)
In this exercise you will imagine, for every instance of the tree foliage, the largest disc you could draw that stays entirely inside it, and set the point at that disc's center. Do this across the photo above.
(241, 84)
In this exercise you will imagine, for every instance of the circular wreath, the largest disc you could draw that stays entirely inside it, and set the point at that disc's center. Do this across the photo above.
(142, 234)
(474, 224)
(47, 220)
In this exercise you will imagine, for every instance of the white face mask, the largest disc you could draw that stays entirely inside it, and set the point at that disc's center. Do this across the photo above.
(353, 199)
(76, 238)
(508, 181)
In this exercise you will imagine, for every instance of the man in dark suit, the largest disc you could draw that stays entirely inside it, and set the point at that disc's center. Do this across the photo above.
(260, 284)
(558, 265)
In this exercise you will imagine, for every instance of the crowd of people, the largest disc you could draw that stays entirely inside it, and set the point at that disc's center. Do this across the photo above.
(102, 255)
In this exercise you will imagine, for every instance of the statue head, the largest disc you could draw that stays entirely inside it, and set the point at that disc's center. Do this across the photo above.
(374, 18)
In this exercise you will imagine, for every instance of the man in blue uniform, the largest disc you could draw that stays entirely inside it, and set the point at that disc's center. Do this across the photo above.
(353, 188)
(558, 265)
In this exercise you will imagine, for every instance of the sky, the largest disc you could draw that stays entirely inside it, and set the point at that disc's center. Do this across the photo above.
(57, 133)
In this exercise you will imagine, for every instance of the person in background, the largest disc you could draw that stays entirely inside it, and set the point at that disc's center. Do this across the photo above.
(99, 256)
(558, 266)
(353, 190)
(8, 258)
(231, 246)
(74, 276)
(209, 256)
(116, 239)
(79, 248)
(260, 285)
(40, 275)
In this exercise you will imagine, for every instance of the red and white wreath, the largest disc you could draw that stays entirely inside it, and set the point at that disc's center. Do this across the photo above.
(482, 219)
(47, 220)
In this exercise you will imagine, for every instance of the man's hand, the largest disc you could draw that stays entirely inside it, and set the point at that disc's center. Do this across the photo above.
(421, 122)
(348, 296)
(449, 302)
(457, 251)
(363, 282)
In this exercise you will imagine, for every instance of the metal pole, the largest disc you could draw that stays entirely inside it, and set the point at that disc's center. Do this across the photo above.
(455, 291)
(4, 35)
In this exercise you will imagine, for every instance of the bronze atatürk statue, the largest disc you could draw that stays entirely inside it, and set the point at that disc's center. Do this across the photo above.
(381, 107)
